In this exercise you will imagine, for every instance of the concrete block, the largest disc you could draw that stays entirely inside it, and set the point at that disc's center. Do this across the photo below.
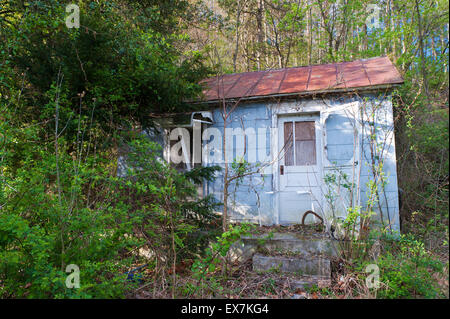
(303, 266)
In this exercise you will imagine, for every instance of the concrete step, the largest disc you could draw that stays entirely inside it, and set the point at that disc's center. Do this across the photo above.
(309, 281)
(286, 244)
(313, 265)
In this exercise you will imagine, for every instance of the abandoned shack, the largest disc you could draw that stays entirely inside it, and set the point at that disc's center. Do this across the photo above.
(316, 138)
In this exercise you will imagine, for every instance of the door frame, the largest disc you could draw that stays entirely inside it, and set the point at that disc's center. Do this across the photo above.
(299, 107)
(287, 109)
(316, 170)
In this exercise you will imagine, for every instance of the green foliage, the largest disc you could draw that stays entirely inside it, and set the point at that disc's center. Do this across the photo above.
(213, 255)
(407, 269)
(119, 58)
(99, 221)
(337, 182)
(71, 102)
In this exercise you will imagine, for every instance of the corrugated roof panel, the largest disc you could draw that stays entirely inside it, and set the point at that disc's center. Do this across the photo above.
(224, 83)
(345, 75)
(246, 85)
(269, 83)
(381, 71)
(209, 86)
(323, 77)
(353, 75)
(295, 80)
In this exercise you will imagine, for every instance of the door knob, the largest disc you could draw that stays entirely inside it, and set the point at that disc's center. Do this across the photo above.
(281, 169)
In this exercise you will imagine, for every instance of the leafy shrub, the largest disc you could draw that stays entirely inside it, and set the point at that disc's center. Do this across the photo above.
(62, 204)
(213, 255)
(407, 270)
(66, 98)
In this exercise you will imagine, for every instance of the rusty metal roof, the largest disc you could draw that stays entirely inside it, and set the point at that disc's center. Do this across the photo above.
(367, 73)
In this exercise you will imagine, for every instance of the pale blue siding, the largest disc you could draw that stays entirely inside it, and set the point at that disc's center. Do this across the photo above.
(254, 198)
(250, 198)
(384, 123)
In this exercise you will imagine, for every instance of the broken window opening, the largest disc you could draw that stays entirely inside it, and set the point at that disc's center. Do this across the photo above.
(300, 141)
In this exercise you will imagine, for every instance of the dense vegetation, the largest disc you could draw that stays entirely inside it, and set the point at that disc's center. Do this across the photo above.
(71, 99)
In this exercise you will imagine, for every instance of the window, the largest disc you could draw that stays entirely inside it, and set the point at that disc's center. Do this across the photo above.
(301, 137)
(340, 137)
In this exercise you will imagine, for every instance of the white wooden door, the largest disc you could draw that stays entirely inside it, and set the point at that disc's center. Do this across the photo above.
(299, 168)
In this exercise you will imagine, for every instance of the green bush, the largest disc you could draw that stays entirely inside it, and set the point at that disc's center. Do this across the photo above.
(46, 226)
(68, 98)
(407, 270)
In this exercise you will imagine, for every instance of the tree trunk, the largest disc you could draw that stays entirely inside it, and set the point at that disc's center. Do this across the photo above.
(236, 48)
(421, 49)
